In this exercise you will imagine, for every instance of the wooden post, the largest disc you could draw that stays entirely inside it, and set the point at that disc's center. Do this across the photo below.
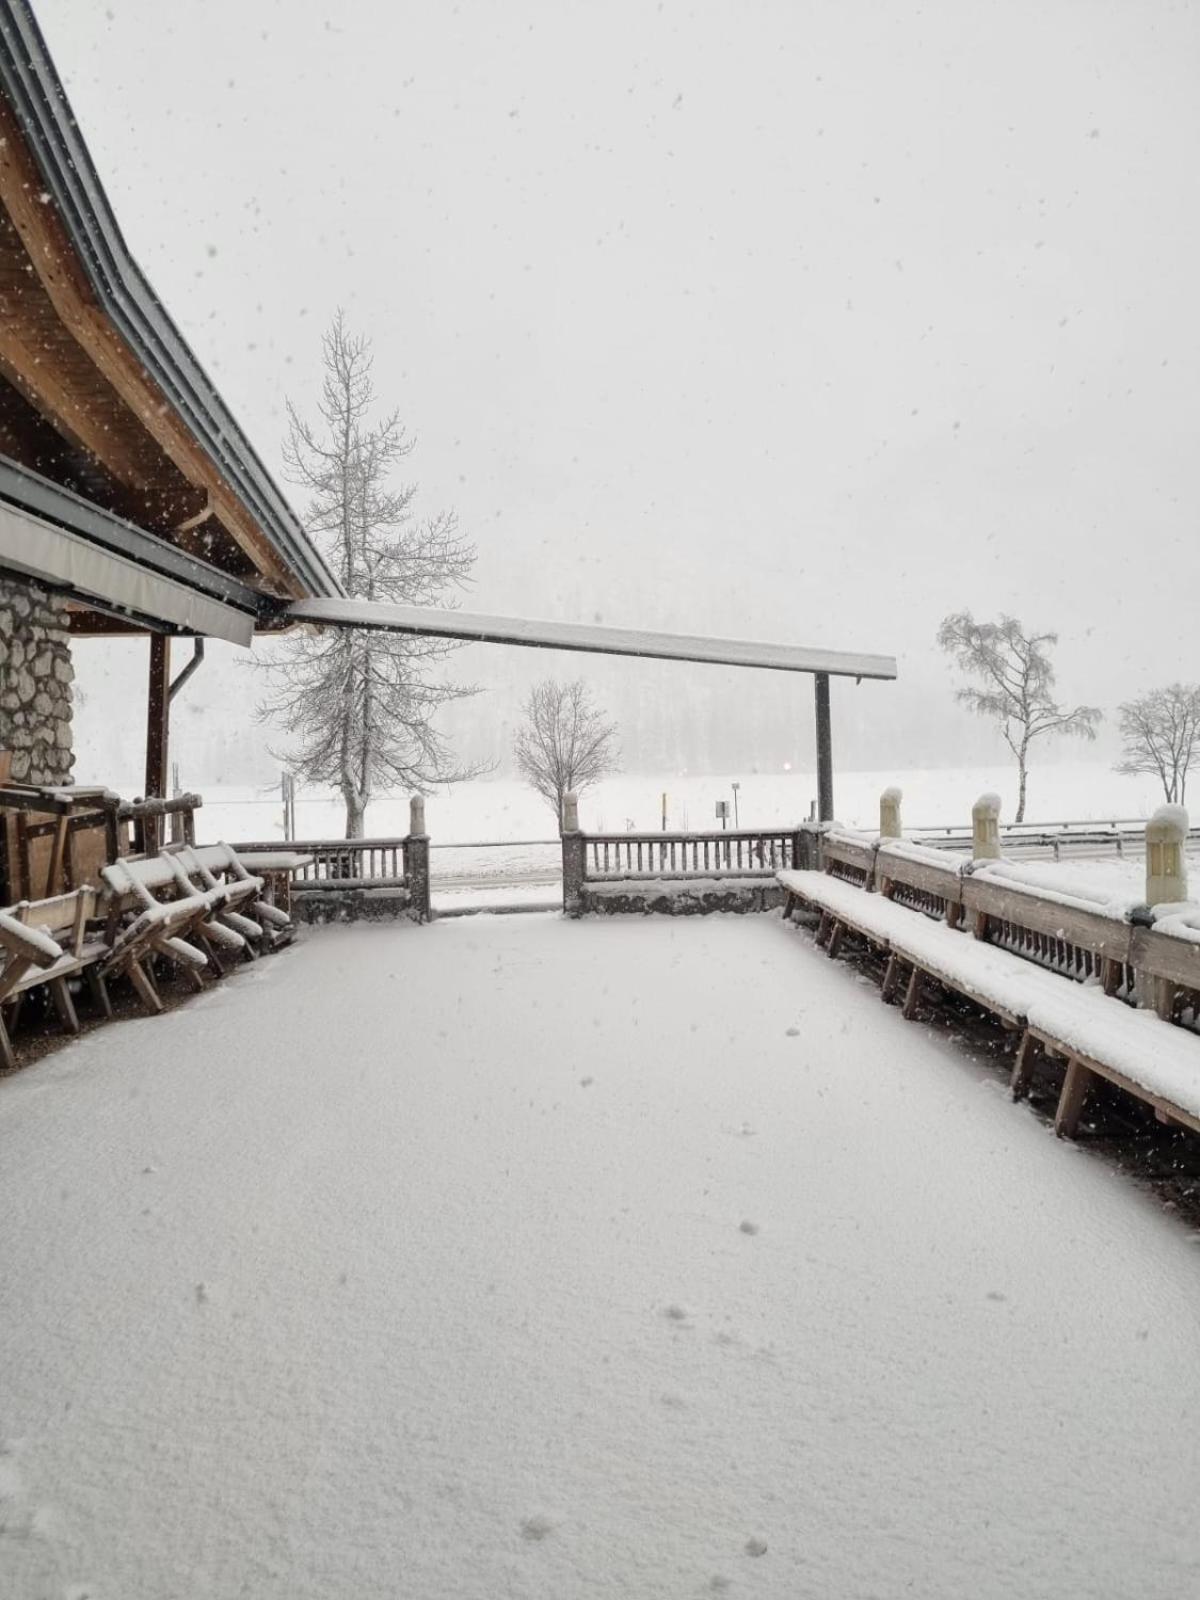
(574, 857)
(417, 851)
(824, 748)
(889, 815)
(985, 828)
(1166, 869)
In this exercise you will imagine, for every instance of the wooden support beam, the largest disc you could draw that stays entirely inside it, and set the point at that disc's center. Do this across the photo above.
(1076, 1083)
(1023, 1065)
(33, 375)
(824, 748)
(158, 718)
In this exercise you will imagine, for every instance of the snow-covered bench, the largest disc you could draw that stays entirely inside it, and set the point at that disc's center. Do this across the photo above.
(1095, 1033)
(48, 942)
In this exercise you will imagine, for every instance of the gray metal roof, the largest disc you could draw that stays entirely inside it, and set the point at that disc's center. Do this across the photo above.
(598, 640)
(32, 87)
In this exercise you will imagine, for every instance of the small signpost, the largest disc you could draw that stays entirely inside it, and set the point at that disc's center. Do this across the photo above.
(723, 812)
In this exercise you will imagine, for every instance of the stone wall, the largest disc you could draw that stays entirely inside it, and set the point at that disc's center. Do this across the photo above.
(680, 897)
(35, 684)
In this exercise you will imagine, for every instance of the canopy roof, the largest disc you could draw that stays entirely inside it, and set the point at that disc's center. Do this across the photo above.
(586, 636)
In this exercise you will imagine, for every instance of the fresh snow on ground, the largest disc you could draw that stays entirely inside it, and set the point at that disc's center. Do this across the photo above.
(504, 808)
(521, 1257)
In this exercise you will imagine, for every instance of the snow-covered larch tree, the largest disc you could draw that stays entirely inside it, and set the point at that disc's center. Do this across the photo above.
(1161, 734)
(1015, 680)
(357, 706)
(565, 743)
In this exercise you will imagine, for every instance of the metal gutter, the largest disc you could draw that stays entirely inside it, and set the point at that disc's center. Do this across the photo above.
(33, 89)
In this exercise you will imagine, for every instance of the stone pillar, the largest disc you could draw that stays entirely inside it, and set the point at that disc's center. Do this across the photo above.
(985, 828)
(889, 814)
(416, 852)
(574, 857)
(1166, 868)
(35, 683)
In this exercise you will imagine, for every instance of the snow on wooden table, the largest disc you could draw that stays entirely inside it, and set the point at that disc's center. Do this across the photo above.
(524, 1257)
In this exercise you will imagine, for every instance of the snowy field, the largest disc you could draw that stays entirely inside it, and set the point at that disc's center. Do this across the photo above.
(511, 1257)
(508, 809)
(530, 871)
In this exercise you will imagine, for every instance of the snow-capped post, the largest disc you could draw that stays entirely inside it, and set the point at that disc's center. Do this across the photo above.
(889, 814)
(574, 856)
(1166, 869)
(416, 855)
(985, 828)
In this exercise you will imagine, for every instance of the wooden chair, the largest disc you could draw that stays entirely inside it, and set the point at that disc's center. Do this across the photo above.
(154, 911)
(46, 942)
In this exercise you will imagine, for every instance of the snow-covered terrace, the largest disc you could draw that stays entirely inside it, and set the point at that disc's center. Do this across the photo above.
(516, 1257)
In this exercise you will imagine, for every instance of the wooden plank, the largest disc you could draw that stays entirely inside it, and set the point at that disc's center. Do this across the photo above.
(1165, 956)
(1103, 936)
(940, 881)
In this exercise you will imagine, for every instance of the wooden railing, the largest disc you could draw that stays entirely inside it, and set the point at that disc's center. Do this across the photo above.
(741, 852)
(146, 825)
(1126, 955)
(1026, 838)
(357, 864)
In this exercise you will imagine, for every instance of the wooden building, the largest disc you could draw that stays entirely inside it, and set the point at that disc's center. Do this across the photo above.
(130, 500)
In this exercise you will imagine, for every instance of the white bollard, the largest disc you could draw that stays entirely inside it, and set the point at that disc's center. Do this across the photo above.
(570, 813)
(889, 814)
(1166, 869)
(985, 828)
(416, 815)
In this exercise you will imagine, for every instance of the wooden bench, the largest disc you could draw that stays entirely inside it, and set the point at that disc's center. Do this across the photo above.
(48, 942)
(1065, 1006)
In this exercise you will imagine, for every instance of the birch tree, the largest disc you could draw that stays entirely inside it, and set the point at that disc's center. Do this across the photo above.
(1014, 685)
(357, 707)
(1161, 734)
(565, 744)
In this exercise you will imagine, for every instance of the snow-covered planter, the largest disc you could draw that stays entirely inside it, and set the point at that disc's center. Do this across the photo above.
(682, 897)
(352, 905)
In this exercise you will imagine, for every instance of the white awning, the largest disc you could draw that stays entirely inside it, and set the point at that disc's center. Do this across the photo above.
(91, 574)
(430, 621)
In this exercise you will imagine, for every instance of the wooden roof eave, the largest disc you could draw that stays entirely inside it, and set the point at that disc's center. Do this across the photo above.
(55, 199)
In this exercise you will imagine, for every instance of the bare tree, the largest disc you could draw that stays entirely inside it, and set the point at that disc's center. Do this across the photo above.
(1161, 731)
(565, 743)
(1015, 683)
(359, 705)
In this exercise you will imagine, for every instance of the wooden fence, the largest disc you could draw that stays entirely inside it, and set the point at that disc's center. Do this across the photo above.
(739, 854)
(353, 866)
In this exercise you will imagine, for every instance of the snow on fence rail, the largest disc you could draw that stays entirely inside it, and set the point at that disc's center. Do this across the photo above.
(744, 852)
(354, 868)
(1119, 834)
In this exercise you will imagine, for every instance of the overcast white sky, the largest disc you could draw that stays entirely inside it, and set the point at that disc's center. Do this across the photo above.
(802, 321)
